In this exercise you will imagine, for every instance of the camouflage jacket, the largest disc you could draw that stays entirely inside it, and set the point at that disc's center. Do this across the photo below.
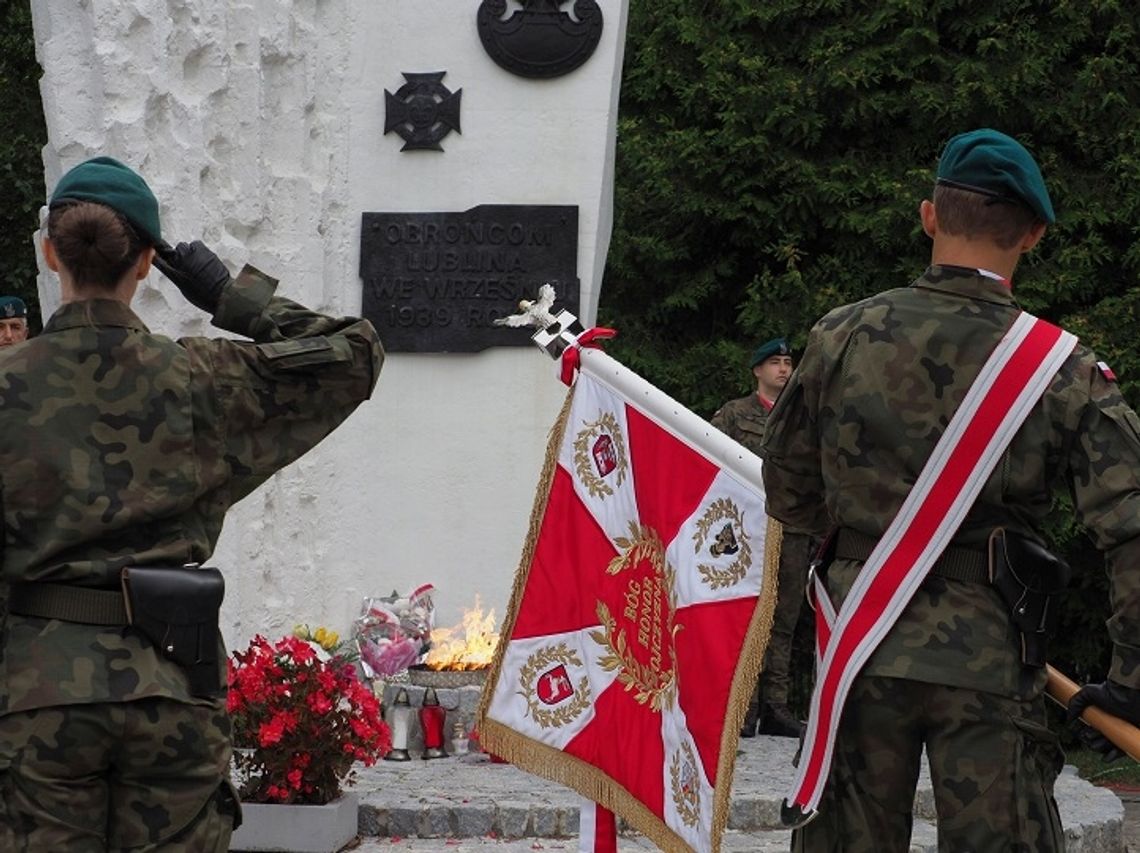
(743, 420)
(877, 385)
(119, 447)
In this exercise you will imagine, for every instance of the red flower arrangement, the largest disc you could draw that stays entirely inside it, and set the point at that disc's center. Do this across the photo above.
(300, 722)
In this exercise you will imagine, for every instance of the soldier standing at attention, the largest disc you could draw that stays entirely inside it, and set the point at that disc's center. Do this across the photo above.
(13, 321)
(879, 381)
(121, 449)
(743, 420)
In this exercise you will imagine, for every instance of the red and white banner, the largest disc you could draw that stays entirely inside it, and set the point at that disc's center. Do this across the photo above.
(1009, 385)
(640, 613)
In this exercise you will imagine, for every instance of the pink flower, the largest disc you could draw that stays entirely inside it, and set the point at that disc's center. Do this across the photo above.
(391, 658)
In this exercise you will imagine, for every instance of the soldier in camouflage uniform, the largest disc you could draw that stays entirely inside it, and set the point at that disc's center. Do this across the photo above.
(878, 383)
(743, 420)
(121, 447)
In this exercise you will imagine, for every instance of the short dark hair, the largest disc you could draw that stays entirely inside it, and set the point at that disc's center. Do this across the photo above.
(95, 244)
(963, 213)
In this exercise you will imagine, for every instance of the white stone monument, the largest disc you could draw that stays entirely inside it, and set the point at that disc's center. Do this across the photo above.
(260, 127)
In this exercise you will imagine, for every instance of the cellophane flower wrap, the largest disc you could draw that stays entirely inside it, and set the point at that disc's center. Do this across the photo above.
(301, 720)
(394, 632)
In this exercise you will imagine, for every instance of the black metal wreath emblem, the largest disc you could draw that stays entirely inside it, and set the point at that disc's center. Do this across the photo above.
(540, 39)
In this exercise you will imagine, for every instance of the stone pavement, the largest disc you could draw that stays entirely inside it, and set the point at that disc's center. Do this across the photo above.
(468, 803)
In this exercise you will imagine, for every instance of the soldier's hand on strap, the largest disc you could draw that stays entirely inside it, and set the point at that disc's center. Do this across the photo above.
(1111, 697)
(196, 271)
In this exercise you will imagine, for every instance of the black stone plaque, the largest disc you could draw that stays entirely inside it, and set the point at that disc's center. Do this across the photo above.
(436, 282)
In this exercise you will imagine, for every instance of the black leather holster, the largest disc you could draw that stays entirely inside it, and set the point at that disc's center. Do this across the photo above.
(1030, 580)
(177, 609)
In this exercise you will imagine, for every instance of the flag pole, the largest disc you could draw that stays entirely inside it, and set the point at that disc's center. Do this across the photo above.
(1062, 689)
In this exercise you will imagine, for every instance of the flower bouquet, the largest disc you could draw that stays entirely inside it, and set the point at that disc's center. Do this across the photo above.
(301, 719)
(394, 632)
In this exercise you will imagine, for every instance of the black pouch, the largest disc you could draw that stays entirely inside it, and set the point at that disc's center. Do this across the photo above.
(177, 609)
(1030, 581)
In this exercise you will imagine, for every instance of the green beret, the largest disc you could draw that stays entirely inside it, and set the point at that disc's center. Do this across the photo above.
(109, 182)
(776, 346)
(988, 162)
(12, 306)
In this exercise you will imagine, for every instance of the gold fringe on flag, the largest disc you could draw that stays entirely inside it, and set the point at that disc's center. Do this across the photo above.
(748, 670)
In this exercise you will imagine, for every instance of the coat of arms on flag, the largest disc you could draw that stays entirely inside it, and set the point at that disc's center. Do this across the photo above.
(640, 612)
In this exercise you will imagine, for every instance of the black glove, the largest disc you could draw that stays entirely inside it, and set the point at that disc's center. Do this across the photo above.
(196, 271)
(1111, 697)
(1090, 738)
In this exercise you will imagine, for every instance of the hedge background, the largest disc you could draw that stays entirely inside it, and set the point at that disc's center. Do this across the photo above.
(21, 167)
(771, 158)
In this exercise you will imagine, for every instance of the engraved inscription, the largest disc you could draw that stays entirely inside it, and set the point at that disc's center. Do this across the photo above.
(435, 282)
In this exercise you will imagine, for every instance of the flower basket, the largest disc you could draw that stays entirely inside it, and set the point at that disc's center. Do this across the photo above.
(301, 720)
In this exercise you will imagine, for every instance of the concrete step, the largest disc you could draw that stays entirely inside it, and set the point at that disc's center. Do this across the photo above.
(470, 800)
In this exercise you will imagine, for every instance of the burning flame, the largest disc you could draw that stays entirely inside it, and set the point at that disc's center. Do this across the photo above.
(469, 645)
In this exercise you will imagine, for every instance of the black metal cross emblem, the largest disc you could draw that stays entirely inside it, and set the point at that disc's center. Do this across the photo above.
(423, 111)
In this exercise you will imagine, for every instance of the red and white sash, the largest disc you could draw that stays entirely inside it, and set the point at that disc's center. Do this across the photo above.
(1009, 385)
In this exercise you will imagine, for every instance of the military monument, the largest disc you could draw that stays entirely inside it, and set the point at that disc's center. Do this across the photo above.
(420, 160)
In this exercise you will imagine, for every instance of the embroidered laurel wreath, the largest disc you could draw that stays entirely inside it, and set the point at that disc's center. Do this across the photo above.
(650, 684)
(583, 463)
(537, 664)
(686, 796)
(723, 510)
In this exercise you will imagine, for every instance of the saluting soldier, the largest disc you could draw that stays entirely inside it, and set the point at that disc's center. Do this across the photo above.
(743, 420)
(13, 321)
(879, 381)
(120, 449)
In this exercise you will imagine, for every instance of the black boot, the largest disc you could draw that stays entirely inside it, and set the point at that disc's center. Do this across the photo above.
(777, 720)
(750, 719)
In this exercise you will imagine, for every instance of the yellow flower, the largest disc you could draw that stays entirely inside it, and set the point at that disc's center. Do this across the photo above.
(328, 640)
(301, 632)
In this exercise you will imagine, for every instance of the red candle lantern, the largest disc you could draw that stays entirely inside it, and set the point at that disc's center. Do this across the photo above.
(432, 718)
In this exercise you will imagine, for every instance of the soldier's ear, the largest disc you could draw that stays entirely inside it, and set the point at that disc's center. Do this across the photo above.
(1033, 237)
(142, 266)
(50, 257)
(929, 217)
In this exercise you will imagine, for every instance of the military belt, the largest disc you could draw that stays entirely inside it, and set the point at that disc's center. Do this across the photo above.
(958, 564)
(67, 602)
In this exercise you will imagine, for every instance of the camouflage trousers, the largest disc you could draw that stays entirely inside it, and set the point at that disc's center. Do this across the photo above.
(775, 678)
(151, 775)
(993, 762)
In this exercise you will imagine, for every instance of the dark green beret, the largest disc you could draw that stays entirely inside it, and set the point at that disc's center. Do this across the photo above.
(989, 162)
(776, 346)
(109, 182)
(12, 306)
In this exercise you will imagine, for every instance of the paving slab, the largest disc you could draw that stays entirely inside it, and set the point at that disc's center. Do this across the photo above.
(468, 802)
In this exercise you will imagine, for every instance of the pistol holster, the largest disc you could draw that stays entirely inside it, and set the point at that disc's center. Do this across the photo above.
(177, 609)
(1030, 580)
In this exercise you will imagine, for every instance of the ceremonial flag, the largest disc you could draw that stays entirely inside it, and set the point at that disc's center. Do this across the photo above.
(640, 612)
